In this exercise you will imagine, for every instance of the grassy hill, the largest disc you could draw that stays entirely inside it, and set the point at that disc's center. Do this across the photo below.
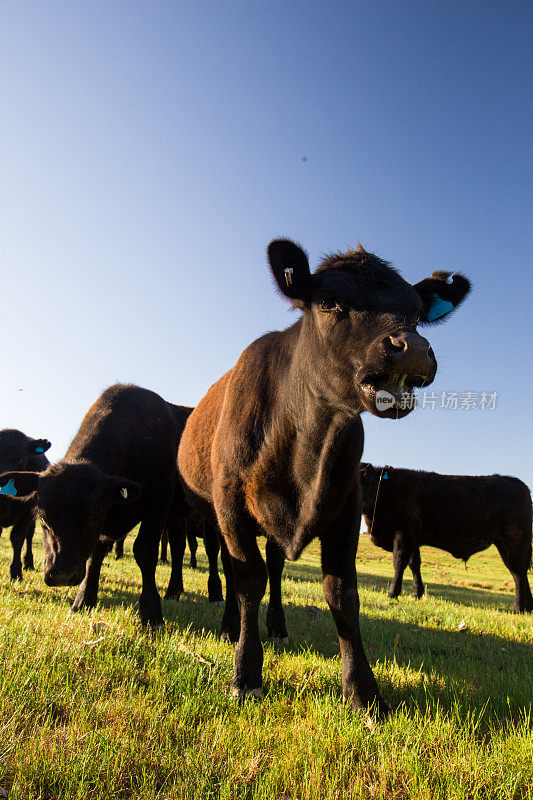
(92, 707)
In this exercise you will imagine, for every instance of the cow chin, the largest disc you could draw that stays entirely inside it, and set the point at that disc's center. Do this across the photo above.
(389, 401)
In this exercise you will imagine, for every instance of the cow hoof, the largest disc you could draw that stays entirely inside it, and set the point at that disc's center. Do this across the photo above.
(172, 596)
(241, 694)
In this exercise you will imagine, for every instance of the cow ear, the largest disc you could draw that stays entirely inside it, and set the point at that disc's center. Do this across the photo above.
(290, 267)
(38, 446)
(441, 294)
(122, 490)
(19, 484)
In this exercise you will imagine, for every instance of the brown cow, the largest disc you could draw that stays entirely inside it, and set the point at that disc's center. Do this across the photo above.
(274, 447)
(462, 514)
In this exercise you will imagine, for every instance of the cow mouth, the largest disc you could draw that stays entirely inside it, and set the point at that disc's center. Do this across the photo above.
(394, 388)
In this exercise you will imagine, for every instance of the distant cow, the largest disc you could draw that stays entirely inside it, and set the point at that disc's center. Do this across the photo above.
(273, 449)
(119, 470)
(461, 514)
(20, 452)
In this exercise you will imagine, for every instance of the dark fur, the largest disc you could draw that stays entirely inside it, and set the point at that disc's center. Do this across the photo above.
(18, 452)
(461, 514)
(274, 447)
(127, 442)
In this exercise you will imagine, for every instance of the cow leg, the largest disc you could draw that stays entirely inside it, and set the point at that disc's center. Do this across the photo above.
(400, 559)
(192, 541)
(87, 595)
(28, 555)
(146, 551)
(119, 549)
(339, 581)
(414, 564)
(231, 622)
(164, 547)
(18, 537)
(275, 620)
(250, 583)
(212, 548)
(517, 561)
(176, 538)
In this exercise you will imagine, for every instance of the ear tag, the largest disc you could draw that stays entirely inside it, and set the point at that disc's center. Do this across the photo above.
(385, 475)
(439, 308)
(124, 493)
(39, 449)
(9, 489)
(288, 275)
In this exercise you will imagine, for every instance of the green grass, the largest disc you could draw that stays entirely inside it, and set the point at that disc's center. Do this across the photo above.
(92, 707)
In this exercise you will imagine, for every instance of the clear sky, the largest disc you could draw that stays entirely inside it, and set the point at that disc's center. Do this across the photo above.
(151, 150)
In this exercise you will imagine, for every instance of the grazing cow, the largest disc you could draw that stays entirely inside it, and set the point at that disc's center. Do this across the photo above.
(274, 447)
(119, 470)
(462, 514)
(18, 451)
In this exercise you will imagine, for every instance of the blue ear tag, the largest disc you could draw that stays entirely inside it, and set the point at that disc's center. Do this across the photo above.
(39, 449)
(439, 308)
(9, 488)
(385, 475)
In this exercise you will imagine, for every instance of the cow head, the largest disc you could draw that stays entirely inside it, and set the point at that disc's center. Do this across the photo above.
(359, 331)
(72, 500)
(17, 450)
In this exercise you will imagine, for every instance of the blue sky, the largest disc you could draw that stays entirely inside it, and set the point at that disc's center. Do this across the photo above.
(150, 151)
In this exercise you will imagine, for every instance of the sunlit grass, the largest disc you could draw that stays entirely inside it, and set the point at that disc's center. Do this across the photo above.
(92, 707)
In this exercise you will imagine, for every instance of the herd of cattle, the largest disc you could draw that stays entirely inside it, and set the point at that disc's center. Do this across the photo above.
(274, 450)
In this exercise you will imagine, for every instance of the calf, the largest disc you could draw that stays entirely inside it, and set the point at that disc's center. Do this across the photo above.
(119, 470)
(462, 514)
(20, 452)
(274, 447)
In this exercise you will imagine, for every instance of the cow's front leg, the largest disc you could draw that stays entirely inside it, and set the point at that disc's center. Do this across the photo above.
(275, 620)
(18, 536)
(87, 596)
(146, 551)
(414, 565)
(175, 532)
(250, 577)
(28, 554)
(401, 555)
(339, 580)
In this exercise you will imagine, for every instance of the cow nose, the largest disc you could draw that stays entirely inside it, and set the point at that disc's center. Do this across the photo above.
(409, 344)
(58, 577)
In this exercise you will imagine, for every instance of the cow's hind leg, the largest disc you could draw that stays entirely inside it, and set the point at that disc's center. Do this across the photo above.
(192, 541)
(212, 548)
(87, 595)
(276, 627)
(517, 557)
(231, 621)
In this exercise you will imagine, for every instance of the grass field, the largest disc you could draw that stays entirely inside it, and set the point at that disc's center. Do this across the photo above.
(92, 707)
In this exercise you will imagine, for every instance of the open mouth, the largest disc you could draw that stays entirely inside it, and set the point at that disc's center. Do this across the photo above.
(399, 386)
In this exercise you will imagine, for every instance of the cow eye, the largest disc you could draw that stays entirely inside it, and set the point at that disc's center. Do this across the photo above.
(329, 306)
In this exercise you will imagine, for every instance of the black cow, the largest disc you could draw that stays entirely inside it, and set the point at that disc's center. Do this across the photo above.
(462, 514)
(18, 451)
(119, 470)
(274, 447)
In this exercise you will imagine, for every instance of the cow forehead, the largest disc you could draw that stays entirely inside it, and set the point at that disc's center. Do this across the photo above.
(373, 289)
